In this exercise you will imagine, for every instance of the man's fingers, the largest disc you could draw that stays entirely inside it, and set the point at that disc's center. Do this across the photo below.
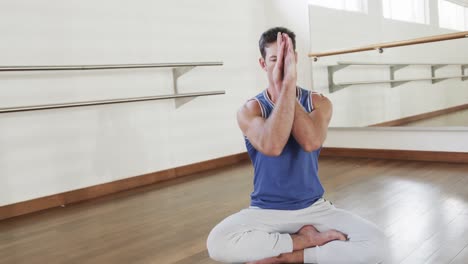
(285, 39)
(279, 38)
(288, 49)
(290, 45)
(280, 55)
(284, 51)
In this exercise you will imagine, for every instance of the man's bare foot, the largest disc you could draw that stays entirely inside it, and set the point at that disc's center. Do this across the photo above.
(316, 238)
(306, 237)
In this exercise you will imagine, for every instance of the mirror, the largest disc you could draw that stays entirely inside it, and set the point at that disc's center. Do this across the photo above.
(416, 85)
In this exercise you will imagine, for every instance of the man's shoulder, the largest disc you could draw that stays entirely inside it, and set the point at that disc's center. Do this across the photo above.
(254, 104)
(251, 107)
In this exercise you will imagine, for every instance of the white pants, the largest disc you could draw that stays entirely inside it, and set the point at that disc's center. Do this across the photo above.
(254, 234)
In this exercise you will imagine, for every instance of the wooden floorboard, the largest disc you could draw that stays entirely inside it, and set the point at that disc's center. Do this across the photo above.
(421, 206)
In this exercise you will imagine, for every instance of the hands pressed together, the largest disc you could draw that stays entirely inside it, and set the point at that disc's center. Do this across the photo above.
(284, 72)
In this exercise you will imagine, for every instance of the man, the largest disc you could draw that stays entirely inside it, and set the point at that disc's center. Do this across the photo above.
(288, 220)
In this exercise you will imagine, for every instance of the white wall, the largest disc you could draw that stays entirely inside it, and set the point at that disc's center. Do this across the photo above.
(362, 105)
(49, 152)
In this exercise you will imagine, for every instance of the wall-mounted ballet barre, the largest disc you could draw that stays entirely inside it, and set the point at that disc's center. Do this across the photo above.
(381, 46)
(333, 87)
(107, 66)
(178, 69)
(394, 83)
(104, 102)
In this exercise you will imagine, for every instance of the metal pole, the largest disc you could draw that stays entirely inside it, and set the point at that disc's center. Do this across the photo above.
(104, 102)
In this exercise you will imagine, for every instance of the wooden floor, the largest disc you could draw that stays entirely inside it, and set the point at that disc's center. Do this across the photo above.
(423, 208)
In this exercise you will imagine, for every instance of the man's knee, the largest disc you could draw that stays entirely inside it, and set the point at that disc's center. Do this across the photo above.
(235, 246)
(215, 246)
(220, 247)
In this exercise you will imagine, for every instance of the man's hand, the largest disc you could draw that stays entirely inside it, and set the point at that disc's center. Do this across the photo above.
(270, 135)
(290, 71)
(285, 73)
(278, 70)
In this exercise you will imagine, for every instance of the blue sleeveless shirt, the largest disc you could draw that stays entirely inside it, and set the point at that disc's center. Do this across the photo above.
(289, 181)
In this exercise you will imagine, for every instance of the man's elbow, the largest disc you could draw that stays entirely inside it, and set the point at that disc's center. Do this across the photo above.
(273, 150)
(312, 146)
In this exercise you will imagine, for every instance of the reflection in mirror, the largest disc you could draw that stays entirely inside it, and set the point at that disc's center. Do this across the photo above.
(423, 84)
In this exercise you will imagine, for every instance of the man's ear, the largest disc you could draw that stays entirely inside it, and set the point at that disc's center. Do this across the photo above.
(262, 63)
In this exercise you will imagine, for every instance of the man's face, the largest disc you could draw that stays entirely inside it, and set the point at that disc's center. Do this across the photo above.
(268, 63)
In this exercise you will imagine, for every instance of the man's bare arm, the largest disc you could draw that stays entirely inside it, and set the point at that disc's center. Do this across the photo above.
(269, 136)
(310, 129)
